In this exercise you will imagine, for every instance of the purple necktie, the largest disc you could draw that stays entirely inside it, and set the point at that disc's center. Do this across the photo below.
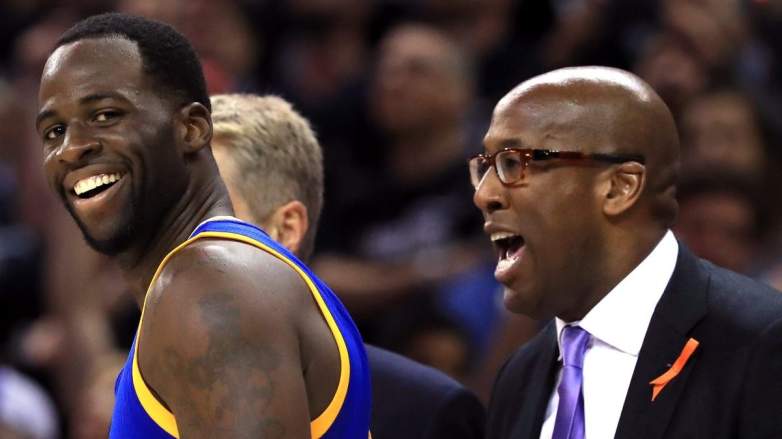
(569, 423)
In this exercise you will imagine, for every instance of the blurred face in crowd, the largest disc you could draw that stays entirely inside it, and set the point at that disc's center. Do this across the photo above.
(718, 226)
(108, 142)
(418, 82)
(226, 59)
(721, 129)
(714, 29)
(547, 227)
(676, 74)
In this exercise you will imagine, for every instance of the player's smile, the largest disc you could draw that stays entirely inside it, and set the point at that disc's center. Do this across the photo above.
(96, 192)
(91, 186)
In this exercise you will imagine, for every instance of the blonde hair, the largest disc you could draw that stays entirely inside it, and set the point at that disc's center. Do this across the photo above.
(275, 153)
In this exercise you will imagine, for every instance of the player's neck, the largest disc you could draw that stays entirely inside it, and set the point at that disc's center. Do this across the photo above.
(198, 203)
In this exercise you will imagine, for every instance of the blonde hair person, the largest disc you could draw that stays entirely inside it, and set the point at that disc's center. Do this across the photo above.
(269, 153)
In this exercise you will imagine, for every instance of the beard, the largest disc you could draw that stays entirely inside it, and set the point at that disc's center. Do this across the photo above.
(121, 239)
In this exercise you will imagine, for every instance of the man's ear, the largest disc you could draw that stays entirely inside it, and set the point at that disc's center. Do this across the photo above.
(625, 188)
(288, 224)
(195, 127)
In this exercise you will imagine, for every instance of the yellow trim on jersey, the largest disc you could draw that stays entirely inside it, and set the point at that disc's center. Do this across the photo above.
(162, 417)
(320, 425)
(157, 411)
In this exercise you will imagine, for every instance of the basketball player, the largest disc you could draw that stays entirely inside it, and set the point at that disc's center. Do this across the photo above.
(237, 338)
(272, 166)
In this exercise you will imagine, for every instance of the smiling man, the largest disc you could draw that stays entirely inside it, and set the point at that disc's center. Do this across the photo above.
(237, 338)
(577, 186)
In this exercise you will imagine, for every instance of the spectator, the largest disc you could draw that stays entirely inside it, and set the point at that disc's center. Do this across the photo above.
(720, 218)
(669, 66)
(413, 228)
(720, 130)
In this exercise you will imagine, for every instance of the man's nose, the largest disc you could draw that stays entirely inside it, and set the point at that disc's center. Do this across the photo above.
(490, 195)
(78, 144)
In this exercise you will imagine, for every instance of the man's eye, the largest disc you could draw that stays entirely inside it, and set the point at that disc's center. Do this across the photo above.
(105, 116)
(54, 132)
(509, 162)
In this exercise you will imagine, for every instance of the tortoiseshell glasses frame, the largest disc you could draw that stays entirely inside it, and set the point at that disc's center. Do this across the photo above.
(510, 163)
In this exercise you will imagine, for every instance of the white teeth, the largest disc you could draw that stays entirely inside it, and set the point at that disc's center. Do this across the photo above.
(506, 262)
(496, 236)
(90, 183)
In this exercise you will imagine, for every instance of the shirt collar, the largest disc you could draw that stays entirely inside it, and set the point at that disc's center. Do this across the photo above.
(621, 318)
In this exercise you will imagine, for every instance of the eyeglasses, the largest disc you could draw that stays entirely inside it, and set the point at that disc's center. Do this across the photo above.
(510, 163)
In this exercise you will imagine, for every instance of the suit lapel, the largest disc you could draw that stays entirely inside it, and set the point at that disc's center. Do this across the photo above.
(682, 305)
(540, 387)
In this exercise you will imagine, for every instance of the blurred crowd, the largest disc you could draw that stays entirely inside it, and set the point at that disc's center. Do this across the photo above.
(400, 93)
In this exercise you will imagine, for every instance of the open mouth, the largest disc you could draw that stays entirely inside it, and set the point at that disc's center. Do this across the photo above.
(507, 244)
(94, 185)
(510, 251)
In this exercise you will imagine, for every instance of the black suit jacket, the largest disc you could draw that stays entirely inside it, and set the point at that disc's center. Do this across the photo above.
(730, 388)
(413, 401)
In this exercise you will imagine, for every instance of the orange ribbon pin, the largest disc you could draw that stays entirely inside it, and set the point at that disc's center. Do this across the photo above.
(661, 381)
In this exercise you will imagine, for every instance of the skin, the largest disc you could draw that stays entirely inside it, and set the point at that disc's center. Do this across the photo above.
(585, 225)
(251, 328)
(286, 223)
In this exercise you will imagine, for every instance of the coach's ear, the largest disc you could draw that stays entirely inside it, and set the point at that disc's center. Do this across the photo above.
(195, 127)
(288, 224)
(624, 189)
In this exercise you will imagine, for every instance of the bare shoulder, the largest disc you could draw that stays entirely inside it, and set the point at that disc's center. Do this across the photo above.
(215, 283)
(220, 331)
(209, 269)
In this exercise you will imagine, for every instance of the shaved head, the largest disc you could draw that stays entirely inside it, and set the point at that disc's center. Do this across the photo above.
(594, 219)
(611, 111)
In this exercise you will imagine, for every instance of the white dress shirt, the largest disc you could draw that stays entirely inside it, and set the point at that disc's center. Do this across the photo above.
(618, 326)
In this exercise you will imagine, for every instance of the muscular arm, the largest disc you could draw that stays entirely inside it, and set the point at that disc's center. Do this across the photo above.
(220, 348)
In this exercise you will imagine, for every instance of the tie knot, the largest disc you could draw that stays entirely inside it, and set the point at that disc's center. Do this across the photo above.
(574, 342)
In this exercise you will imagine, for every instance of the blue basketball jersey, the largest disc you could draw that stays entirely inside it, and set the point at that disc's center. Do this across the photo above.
(139, 414)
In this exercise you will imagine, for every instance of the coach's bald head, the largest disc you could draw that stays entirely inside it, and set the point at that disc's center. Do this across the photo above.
(593, 220)
(613, 111)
